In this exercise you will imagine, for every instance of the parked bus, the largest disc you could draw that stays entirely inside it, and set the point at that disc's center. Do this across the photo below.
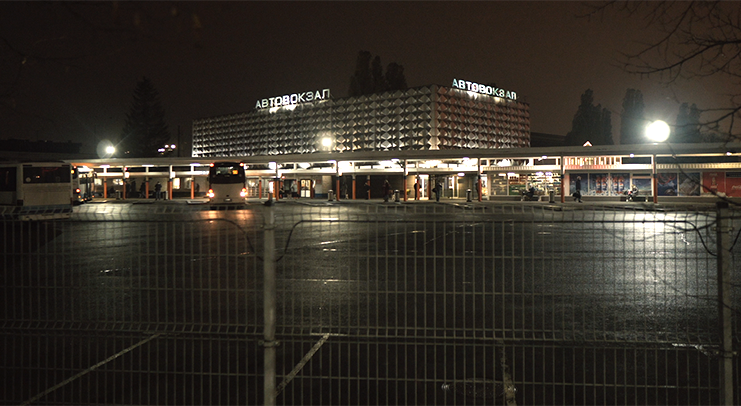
(35, 190)
(226, 183)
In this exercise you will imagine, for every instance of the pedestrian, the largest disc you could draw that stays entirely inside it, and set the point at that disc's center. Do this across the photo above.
(577, 194)
(416, 189)
(344, 191)
(157, 191)
(143, 190)
(386, 190)
(366, 188)
(438, 190)
(198, 190)
(294, 190)
(132, 190)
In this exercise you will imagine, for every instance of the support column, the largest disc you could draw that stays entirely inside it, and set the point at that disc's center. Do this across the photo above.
(169, 184)
(124, 182)
(564, 182)
(337, 190)
(654, 179)
(406, 173)
(146, 181)
(276, 184)
(353, 187)
(478, 164)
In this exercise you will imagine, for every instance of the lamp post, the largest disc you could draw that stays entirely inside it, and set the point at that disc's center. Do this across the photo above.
(657, 131)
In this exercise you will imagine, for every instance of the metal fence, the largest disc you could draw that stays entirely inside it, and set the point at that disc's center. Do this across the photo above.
(373, 304)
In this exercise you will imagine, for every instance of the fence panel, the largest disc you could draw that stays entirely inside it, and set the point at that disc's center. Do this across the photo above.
(414, 304)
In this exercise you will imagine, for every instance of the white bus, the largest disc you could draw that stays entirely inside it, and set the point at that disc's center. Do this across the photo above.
(226, 183)
(35, 190)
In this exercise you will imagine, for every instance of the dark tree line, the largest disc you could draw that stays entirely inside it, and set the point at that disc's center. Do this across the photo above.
(369, 76)
(594, 124)
(591, 123)
(700, 40)
(145, 130)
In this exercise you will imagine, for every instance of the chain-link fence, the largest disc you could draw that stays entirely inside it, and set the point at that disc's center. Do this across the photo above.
(373, 304)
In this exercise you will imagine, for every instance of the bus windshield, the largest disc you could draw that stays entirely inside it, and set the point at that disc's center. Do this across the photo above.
(223, 172)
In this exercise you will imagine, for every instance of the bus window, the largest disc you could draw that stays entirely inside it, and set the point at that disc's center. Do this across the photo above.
(45, 174)
(8, 179)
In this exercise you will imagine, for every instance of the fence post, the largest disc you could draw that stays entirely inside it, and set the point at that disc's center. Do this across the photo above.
(269, 304)
(725, 312)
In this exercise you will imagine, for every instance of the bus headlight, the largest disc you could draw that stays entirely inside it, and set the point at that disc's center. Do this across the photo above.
(243, 193)
(210, 193)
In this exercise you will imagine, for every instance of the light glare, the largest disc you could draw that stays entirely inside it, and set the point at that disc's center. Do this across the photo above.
(658, 131)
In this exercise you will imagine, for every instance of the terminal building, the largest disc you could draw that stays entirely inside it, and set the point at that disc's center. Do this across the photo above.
(423, 118)
(473, 140)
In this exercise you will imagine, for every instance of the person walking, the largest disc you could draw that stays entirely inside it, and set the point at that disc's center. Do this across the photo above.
(438, 189)
(143, 190)
(294, 190)
(366, 188)
(577, 194)
(386, 190)
(157, 191)
(416, 189)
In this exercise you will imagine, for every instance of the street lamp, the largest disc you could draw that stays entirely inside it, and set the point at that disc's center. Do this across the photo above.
(167, 149)
(658, 131)
(105, 149)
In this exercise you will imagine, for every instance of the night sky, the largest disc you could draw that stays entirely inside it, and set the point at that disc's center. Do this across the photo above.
(209, 58)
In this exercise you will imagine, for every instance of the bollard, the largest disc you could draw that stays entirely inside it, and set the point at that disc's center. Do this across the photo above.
(551, 198)
(330, 196)
(468, 195)
(396, 196)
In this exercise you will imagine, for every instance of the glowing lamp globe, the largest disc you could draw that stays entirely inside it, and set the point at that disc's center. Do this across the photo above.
(658, 131)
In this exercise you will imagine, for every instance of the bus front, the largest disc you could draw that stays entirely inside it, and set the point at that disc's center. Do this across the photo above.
(226, 183)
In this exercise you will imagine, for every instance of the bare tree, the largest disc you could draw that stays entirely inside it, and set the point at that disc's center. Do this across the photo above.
(700, 39)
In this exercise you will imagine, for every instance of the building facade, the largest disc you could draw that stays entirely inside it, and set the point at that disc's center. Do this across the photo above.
(423, 118)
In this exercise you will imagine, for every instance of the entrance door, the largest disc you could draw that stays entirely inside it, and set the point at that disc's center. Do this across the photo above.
(423, 182)
(306, 186)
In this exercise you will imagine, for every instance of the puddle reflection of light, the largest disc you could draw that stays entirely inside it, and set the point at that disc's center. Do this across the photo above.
(330, 250)
(328, 218)
(328, 242)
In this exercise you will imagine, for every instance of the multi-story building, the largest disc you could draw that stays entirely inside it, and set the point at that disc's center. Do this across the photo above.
(466, 116)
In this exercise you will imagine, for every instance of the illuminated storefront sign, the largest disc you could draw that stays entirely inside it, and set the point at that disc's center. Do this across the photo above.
(483, 89)
(292, 99)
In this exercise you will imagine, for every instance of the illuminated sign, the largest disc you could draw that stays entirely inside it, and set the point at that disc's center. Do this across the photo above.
(292, 99)
(483, 89)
